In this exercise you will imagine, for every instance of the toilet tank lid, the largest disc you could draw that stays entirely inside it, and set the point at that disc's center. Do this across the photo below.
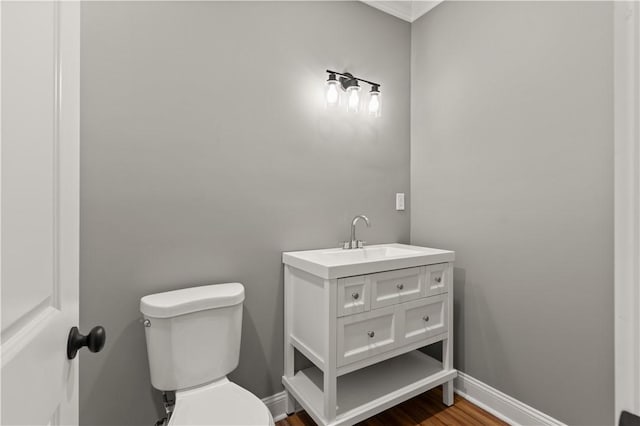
(179, 302)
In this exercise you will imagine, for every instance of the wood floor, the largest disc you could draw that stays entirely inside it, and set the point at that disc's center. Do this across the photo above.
(425, 409)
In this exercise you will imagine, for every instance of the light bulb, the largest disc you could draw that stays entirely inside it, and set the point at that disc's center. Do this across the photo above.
(332, 93)
(332, 97)
(374, 102)
(353, 94)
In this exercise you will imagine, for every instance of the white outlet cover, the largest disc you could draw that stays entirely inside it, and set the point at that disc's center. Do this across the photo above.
(400, 201)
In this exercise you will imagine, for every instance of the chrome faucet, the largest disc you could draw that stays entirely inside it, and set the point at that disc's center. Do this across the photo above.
(353, 243)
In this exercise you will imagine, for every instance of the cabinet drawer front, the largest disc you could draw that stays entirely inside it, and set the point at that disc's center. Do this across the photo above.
(424, 318)
(353, 295)
(437, 279)
(364, 335)
(389, 288)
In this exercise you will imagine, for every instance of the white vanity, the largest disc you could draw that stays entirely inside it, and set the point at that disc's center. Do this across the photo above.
(359, 315)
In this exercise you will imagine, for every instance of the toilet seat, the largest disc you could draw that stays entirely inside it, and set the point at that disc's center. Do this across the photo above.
(219, 403)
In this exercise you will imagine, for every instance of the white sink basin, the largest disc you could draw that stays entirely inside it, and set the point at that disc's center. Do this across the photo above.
(335, 263)
(339, 256)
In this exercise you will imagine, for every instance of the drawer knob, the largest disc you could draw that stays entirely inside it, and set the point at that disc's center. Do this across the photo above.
(425, 318)
(355, 295)
(400, 286)
(438, 279)
(371, 333)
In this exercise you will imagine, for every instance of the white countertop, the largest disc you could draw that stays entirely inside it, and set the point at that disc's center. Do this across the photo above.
(337, 262)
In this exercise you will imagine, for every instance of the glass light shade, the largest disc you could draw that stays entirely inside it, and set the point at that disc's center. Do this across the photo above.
(374, 104)
(332, 97)
(353, 97)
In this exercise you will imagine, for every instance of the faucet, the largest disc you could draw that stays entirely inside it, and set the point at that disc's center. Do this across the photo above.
(353, 243)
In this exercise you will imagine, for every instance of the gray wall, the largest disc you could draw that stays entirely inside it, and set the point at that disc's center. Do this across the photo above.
(511, 167)
(206, 152)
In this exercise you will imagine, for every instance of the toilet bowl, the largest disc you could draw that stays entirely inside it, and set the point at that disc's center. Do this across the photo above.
(219, 403)
(193, 342)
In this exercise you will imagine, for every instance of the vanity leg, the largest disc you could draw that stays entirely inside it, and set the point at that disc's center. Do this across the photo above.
(290, 406)
(289, 372)
(289, 350)
(330, 357)
(447, 344)
(330, 396)
(447, 393)
(447, 363)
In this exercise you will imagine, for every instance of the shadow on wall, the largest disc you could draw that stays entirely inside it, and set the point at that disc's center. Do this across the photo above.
(470, 305)
(125, 351)
(459, 281)
(255, 361)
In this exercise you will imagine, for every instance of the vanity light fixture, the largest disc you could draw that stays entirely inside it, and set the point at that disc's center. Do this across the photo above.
(350, 84)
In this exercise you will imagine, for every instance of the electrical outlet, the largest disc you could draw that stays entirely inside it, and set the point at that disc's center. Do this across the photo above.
(400, 201)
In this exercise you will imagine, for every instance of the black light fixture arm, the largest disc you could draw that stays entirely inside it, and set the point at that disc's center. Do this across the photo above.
(351, 77)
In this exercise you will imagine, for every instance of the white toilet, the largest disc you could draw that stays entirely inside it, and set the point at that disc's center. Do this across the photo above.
(193, 342)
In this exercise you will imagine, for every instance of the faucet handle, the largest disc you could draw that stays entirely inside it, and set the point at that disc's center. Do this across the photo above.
(361, 243)
(344, 245)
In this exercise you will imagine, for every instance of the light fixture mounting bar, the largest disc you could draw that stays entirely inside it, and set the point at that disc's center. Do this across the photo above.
(352, 77)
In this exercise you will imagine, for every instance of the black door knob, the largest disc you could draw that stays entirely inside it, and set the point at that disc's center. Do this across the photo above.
(94, 340)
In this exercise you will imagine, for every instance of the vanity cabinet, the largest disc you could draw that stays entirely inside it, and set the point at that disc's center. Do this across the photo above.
(361, 332)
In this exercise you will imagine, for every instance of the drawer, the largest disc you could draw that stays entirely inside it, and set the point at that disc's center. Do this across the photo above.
(363, 335)
(353, 295)
(392, 287)
(437, 279)
(423, 318)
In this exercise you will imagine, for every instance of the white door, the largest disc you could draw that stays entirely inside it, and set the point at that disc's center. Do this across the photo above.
(39, 211)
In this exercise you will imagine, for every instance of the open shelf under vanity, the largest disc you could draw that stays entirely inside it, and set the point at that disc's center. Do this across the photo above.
(369, 390)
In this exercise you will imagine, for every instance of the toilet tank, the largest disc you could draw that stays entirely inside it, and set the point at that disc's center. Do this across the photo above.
(193, 334)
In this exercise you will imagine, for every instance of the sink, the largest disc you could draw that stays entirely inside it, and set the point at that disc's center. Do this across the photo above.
(336, 263)
(340, 256)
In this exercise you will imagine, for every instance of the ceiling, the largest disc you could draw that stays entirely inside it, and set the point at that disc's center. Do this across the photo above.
(407, 10)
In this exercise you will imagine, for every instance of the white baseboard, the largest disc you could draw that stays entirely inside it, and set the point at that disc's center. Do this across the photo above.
(503, 406)
(277, 404)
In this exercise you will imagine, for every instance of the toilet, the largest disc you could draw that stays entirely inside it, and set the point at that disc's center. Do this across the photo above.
(193, 342)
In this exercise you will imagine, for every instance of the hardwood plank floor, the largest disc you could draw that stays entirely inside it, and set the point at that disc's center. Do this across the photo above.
(426, 409)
